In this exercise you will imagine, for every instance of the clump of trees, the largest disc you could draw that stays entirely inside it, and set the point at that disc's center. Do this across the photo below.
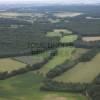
(94, 89)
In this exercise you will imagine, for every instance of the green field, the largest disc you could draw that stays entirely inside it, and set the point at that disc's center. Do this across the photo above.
(10, 65)
(83, 72)
(58, 33)
(53, 34)
(51, 20)
(30, 60)
(62, 55)
(27, 87)
(68, 38)
(64, 31)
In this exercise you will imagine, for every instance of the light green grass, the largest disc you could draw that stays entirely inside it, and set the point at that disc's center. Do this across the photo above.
(62, 55)
(27, 87)
(53, 34)
(64, 31)
(10, 65)
(58, 33)
(68, 38)
(83, 72)
(53, 20)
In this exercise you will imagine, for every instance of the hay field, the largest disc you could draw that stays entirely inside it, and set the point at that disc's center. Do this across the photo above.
(83, 72)
(10, 65)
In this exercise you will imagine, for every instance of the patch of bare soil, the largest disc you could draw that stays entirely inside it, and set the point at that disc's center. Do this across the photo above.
(87, 39)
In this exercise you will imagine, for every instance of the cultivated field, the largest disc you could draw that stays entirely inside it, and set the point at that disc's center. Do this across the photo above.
(27, 87)
(67, 14)
(63, 55)
(87, 39)
(10, 65)
(68, 38)
(83, 72)
(30, 60)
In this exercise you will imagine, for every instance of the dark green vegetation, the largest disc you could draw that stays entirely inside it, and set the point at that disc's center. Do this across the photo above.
(32, 31)
(19, 30)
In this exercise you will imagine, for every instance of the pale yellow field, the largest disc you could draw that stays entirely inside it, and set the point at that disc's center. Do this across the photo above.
(87, 39)
(10, 65)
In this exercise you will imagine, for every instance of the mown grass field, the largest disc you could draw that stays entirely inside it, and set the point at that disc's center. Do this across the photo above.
(30, 60)
(62, 55)
(27, 87)
(10, 65)
(68, 38)
(83, 72)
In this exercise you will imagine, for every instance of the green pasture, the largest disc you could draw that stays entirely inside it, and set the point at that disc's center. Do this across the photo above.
(84, 72)
(27, 87)
(68, 39)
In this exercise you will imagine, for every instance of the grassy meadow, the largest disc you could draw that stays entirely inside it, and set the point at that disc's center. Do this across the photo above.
(10, 65)
(53, 34)
(58, 33)
(68, 38)
(62, 55)
(84, 72)
(64, 31)
(27, 87)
